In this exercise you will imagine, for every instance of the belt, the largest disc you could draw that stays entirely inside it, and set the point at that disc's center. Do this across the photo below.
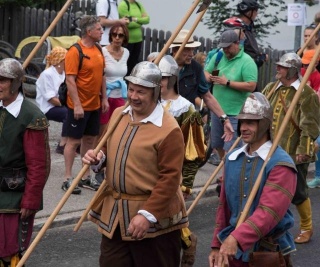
(119, 195)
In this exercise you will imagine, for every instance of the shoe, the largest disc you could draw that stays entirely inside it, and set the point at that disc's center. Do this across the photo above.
(90, 183)
(314, 183)
(66, 184)
(214, 159)
(60, 149)
(303, 237)
(189, 254)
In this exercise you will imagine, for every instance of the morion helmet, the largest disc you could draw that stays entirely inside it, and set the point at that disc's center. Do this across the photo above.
(169, 68)
(257, 107)
(12, 69)
(146, 74)
(291, 61)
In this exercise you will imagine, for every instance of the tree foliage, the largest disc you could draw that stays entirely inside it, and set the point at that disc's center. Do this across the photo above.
(265, 23)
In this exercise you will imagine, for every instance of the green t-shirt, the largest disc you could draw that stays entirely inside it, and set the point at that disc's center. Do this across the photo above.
(137, 11)
(241, 68)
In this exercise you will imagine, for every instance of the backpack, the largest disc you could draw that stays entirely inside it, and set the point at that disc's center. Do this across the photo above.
(218, 58)
(63, 89)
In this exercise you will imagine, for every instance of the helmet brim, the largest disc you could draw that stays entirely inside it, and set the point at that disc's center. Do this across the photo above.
(139, 81)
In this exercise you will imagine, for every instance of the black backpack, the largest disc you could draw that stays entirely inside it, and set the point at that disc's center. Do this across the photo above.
(63, 90)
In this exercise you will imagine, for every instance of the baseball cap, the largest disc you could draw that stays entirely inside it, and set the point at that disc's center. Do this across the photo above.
(227, 38)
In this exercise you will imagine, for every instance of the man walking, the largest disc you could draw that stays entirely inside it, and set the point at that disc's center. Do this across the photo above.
(142, 210)
(86, 94)
(269, 219)
(300, 134)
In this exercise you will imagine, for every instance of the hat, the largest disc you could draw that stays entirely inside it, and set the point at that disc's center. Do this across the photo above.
(227, 38)
(307, 56)
(56, 55)
(180, 38)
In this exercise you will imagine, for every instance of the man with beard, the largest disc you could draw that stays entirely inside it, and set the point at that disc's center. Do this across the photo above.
(237, 78)
(300, 134)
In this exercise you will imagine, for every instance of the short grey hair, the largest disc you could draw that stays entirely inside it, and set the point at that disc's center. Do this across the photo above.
(87, 23)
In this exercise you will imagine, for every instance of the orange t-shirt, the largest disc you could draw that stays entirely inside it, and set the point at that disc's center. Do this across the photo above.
(89, 77)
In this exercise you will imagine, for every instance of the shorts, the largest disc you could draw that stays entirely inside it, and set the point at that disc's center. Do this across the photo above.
(89, 125)
(217, 131)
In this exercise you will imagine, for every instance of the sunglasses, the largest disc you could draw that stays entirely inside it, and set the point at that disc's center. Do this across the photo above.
(119, 35)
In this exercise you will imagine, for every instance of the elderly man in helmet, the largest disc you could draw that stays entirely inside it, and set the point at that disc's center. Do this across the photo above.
(142, 209)
(190, 122)
(24, 163)
(269, 219)
(300, 134)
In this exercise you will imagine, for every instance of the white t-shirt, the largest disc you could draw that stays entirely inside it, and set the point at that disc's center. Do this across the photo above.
(102, 8)
(47, 86)
(115, 70)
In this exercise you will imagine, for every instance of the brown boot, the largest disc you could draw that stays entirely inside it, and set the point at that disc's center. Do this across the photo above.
(303, 237)
(189, 254)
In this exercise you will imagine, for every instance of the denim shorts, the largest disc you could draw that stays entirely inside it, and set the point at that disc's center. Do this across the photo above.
(217, 131)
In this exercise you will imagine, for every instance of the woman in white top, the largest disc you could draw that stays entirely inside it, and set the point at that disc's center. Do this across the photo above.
(116, 57)
(48, 85)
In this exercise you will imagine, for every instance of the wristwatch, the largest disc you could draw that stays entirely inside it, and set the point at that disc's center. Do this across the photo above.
(223, 118)
(228, 83)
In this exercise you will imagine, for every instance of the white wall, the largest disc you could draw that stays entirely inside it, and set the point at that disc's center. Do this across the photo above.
(167, 14)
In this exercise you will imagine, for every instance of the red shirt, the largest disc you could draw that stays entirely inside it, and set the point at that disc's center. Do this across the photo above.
(314, 79)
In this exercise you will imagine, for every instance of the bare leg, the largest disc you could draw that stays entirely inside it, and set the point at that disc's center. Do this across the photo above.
(87, 142)
(69, 155)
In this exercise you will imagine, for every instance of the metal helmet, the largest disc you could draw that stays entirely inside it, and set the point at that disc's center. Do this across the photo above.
(246, 5)
(146, 74)
(257, 107)
(169, 68)
(12, 69)
(233, 23)
(291, 61)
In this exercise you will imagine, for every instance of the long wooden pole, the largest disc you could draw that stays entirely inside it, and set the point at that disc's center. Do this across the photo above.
(176, 32)
(194, 26)
(279, 135)
(46, 33)
(216, 171)
(67, 194)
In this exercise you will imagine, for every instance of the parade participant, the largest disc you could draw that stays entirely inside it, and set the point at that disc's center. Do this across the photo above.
(237, 77)
(248, 11)
(190, 122)
(86, 97)
(47, 87)
(192, 82)
(300, 134)
(107, 11)
(141, 211)
(269, 218)
(24, 163)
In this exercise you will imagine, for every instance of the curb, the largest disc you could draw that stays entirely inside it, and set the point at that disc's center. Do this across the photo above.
(73, 217)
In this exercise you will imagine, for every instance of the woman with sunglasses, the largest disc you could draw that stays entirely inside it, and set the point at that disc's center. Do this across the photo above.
(116, 57)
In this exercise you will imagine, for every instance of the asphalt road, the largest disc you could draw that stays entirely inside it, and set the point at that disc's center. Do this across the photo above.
(62, 247)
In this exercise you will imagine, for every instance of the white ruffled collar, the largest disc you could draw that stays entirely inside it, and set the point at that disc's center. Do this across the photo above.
(177, 106)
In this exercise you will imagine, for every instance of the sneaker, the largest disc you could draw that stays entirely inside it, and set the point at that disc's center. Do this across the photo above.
(66, 184)
(60, 149)
(214, 159)
(314, 183)
(90, 183)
